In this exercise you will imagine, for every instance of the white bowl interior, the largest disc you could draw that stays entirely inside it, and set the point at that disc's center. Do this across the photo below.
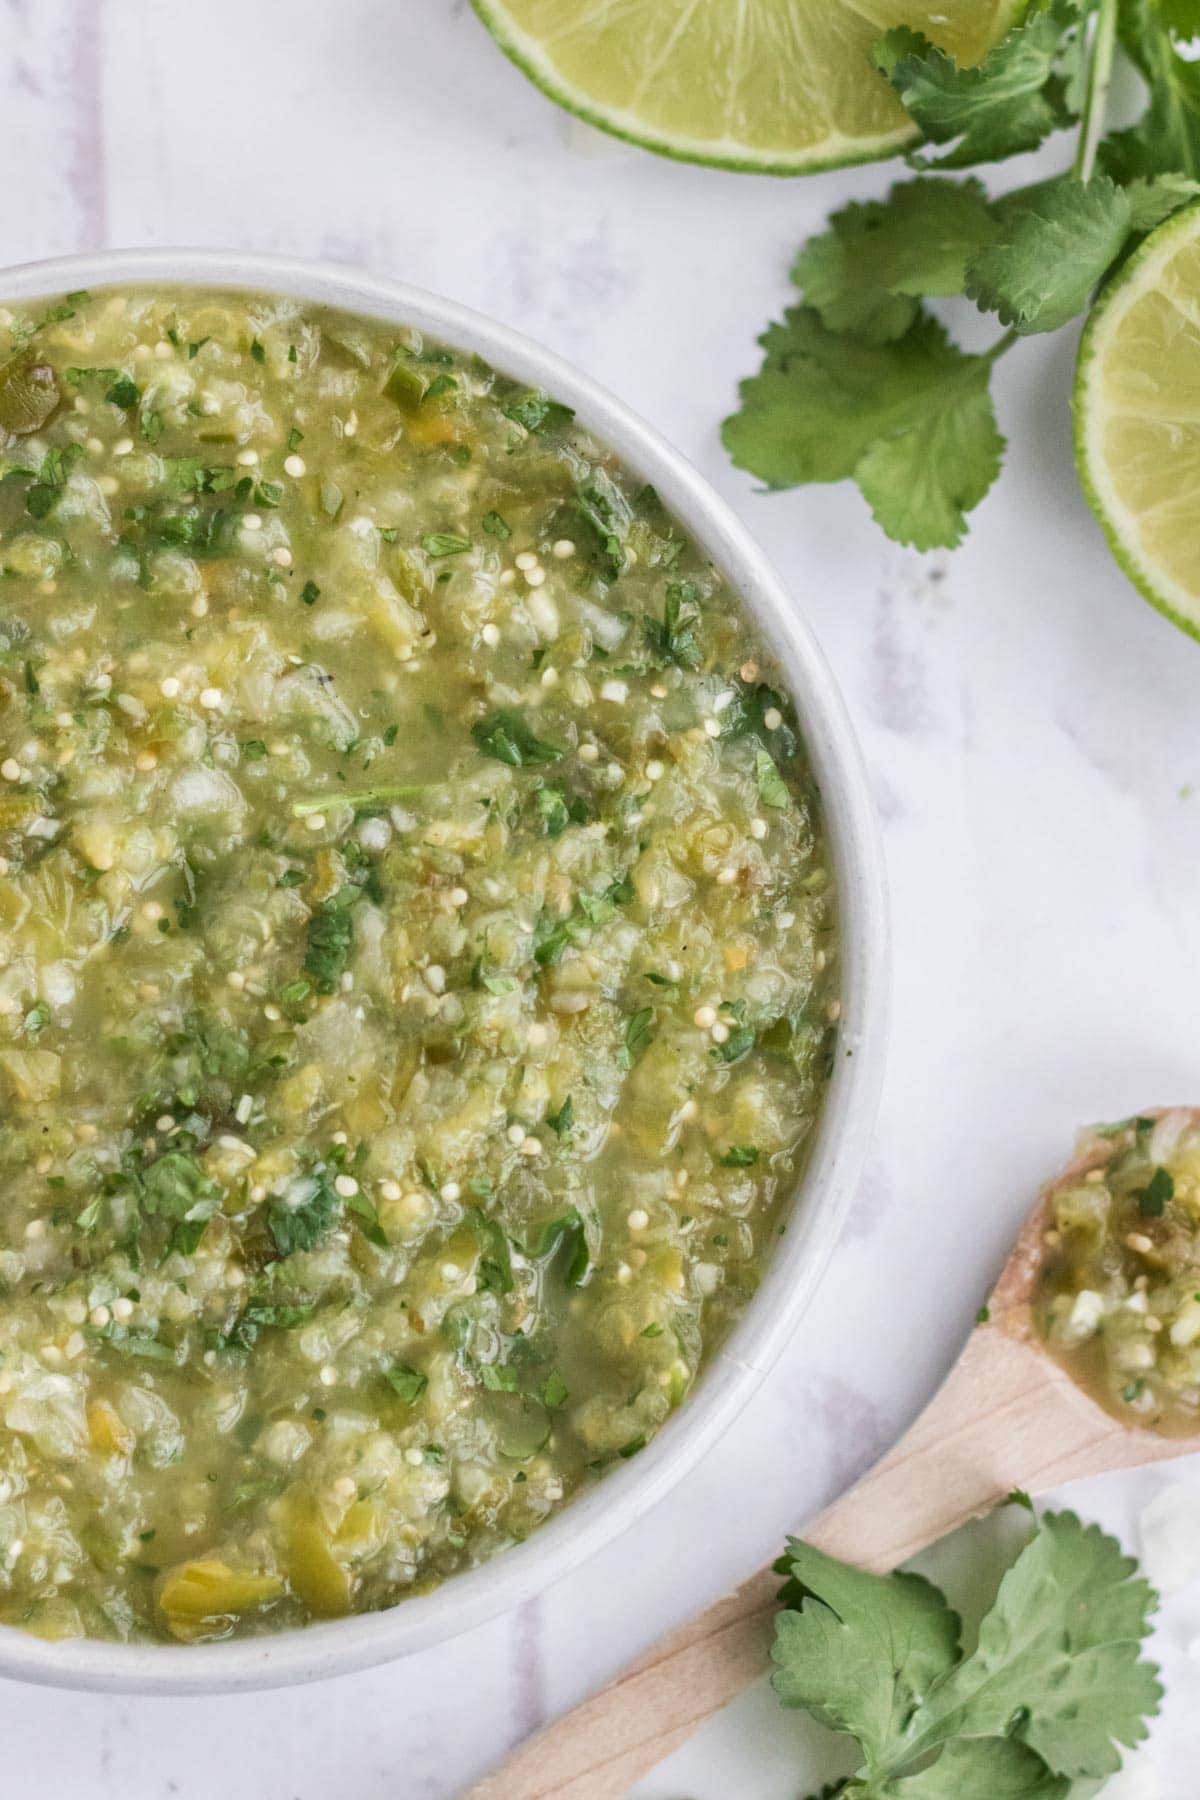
(842, 1133)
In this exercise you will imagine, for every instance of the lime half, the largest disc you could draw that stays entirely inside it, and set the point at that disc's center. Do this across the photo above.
(1137, 417)
(777, 86)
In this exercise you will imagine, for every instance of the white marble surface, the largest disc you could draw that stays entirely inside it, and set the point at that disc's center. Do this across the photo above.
(1031, 727)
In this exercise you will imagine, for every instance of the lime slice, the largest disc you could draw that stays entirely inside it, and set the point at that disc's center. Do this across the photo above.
(1137, 417)
(778, 86)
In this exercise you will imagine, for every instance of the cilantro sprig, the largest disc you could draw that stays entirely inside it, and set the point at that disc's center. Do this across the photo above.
(1055, 1683)
(861, 381)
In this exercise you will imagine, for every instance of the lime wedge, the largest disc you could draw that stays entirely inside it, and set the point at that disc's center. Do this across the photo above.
(1137, 417)
(778, 86)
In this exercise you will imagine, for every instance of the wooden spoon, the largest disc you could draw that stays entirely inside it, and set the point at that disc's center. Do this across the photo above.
(1008, 1417)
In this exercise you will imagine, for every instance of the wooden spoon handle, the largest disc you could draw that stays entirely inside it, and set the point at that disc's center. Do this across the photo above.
(1007, 1417)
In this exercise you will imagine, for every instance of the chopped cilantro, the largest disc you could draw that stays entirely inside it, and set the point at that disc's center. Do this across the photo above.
(508, 736)
(566, 1232)
(1152, 1199)
(89, 1218)
(639, 1033)
(330, 938)
(772, 788)
(51, 480)
(407, 1382)
(367, 1219)
(672, 638)
(554, 1390)
(495, 1270)
(124, 392)
(499, 1378)
(304, 1218)
(498, 984)
(738, 1044)
(444, 543)
(538, 413)
(259, 1316)
(560, 1122)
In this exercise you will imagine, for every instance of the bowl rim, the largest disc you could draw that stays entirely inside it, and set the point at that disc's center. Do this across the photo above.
(835, 1161)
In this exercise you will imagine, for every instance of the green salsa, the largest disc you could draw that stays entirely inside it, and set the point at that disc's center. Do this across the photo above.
(1119, 1300)
(418, 963)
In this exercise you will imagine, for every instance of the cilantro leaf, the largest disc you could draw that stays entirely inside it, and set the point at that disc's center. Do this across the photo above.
(860, 1651)
(864, 274)
(1056, 1675)
(921, 483)
(1058, 1654)
(999, 1768)
(1007, 104)
(1051, 255)
(910, 421)
(1153, 200)
(508, 736)
(1166, 140)
(1179, 16)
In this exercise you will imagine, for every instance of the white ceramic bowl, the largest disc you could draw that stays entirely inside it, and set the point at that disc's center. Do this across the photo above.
(842, 1134)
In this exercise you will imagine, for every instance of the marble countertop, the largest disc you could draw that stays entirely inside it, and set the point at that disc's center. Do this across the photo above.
(1031, 729)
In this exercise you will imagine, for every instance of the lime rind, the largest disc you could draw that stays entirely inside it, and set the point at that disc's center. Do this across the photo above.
(834, 151)
(1134, 279)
